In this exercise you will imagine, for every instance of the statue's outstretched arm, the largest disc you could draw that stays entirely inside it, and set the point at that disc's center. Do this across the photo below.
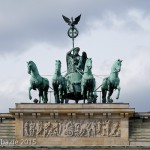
(68, 53)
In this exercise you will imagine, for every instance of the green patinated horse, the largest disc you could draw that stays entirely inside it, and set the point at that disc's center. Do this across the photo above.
(37, 82)
(59, 84)
(111, 82)
(88, 83)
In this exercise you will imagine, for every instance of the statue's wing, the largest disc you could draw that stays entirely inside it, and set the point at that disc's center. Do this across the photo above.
(67, 20)
(77, 19)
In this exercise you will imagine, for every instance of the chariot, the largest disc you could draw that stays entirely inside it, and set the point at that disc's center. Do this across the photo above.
(78, 83)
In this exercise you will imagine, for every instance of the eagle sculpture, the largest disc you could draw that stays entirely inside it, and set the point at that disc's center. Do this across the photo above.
(72, 22)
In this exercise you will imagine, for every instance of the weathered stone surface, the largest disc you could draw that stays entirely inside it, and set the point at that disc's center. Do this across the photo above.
(74, 126)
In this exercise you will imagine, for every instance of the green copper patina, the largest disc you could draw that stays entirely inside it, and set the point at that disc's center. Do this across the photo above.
(112, 82)
(72, 31)
(37, 82)
(75, 68)
(79, 82)
(88, 83)
(74, 61)
(59, 84)
(74, 74)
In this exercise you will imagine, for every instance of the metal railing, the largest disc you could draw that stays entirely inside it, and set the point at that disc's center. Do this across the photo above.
(51, 96)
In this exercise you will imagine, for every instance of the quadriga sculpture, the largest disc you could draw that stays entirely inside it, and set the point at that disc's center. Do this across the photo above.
(111, 82)
(37, 82)
(59, 84)
(88, 83)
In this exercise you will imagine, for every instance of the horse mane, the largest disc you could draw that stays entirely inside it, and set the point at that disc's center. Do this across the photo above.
(116, 63)
(87, 60)
(34, 65)
(58, 66)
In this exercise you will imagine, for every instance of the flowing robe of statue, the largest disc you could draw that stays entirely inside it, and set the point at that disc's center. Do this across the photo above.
(74, 61)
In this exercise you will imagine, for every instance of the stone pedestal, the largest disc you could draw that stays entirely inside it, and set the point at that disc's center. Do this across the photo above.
(72, 124)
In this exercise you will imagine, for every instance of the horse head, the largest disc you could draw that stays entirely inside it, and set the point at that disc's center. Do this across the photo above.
(88, 64)
(57, 66)
(31, 67)
(116, 68)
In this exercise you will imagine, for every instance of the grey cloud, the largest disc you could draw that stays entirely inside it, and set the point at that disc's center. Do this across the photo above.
(138, 98)
(26, 22)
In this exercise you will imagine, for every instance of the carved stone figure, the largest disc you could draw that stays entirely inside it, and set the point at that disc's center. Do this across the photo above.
(37, 82)
(59, 84)
(31, 128)
(72, 128)
(39, 128)
(26, 127)
(55, 128)
(69, 128)
(115, 129)
(91, 129)
(111, 82)
(105, 128)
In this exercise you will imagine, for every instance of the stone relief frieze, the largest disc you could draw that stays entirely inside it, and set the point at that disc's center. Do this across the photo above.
(72, 128)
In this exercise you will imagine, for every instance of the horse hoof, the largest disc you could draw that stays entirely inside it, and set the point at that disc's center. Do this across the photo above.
(94, 102)
(35, 101)
(66, 101)
(110, 101)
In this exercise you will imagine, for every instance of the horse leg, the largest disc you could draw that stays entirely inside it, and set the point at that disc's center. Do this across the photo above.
(83, 91)
(65, 96)
(40, 95)
(82, 86)
(76, 101)
(57, 98)
(61, 97)
(66, 101)
(110, 91)
(104, 92)
(56, 94)
(94, 99)
(85, 95)
(61, 94)
(90, 96)
(118, 94)
(45, 96)
(30, 88)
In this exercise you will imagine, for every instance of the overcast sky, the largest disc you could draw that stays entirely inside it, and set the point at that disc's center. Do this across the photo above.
(108, 30)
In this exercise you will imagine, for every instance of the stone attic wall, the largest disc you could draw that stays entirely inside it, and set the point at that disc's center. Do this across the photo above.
(7, 126)
(139, 135)
(139, 129)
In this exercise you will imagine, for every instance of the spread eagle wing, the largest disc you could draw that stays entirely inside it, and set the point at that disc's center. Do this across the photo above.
(67, 20)
(77, 19)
